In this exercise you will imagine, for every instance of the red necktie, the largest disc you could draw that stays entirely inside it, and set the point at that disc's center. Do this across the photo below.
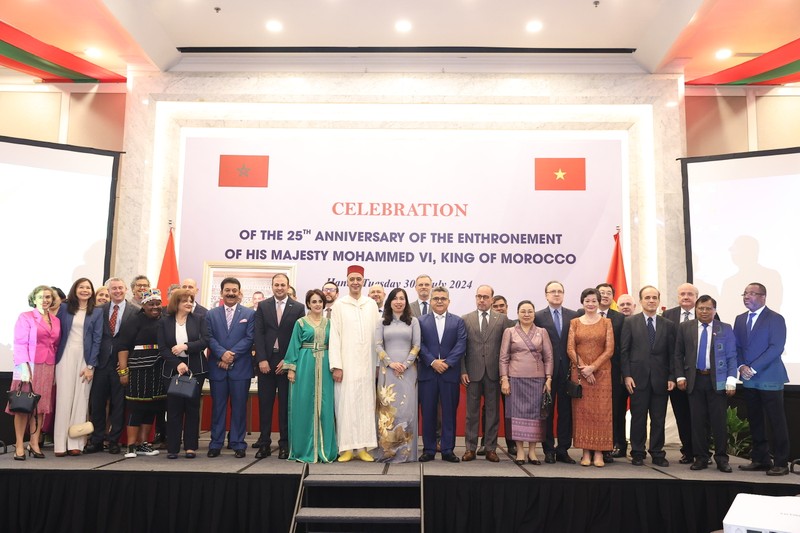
(112, 323)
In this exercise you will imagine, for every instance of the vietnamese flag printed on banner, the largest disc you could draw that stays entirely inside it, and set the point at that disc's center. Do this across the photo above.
(243, 170)
(560, 174)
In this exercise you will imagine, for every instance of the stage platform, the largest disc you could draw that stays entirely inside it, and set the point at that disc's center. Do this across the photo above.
(104, 493)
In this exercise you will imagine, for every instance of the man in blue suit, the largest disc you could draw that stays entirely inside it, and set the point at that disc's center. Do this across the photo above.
(444, 343)
(230, 338)
(760, 338)
(705, 368)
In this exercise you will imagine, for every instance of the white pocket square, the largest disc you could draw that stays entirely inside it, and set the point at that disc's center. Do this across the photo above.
(242, 321)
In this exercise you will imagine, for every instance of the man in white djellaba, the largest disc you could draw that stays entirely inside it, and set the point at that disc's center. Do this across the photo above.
(353, 360)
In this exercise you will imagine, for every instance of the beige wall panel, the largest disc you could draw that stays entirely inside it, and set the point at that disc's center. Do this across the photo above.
(715, 125)
(96, 120)
(30, 115)
(778, 122)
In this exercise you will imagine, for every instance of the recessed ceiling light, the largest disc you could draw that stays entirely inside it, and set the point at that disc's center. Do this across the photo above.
(274, 26)
(534, 26)
(403, 26)
(93, 52)
(723, 53)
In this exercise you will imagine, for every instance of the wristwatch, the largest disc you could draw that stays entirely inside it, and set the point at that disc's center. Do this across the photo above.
(90, 367)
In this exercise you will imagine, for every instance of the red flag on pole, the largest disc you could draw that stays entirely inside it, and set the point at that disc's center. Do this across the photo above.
(169, 269)
(616, 271)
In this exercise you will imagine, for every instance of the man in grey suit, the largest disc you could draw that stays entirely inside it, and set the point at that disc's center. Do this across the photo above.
(648, 342)
(480, 372)
(555, 319)
(423, 286)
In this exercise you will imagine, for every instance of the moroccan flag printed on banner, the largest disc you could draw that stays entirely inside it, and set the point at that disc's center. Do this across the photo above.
(243, 170)
(560, 174)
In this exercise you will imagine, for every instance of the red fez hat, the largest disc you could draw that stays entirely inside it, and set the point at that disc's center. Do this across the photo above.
(357, 269)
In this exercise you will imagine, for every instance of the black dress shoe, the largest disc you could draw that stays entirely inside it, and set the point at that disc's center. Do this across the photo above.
(213, 452)
(699, 464)
(778, 471)
(239, 454)
(618, 453)
(685, 460)
(724, 467)
(283, 453)
(450, 457)
(661, 461)
(637, 461)
(755, 467)
(512, 450)
(608, 457)
(263, 452)
(425, 457)
(565, 458)
(549, 458)
(113, 448)
(92, 448)
(257, 444)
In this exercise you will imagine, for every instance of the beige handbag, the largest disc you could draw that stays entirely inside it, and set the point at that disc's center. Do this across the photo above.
(81, 430)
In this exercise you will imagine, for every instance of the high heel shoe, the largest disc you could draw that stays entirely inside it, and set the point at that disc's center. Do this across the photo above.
(33, 453)
(598, 461)
(19, 457)
(586, 462)
(533, 461)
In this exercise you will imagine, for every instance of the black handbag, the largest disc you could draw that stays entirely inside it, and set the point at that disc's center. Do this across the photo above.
(547, 404)
(575, 390)
(20, 401)
(184, 386)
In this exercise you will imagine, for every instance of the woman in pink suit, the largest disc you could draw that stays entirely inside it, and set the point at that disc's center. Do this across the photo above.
(36, 337)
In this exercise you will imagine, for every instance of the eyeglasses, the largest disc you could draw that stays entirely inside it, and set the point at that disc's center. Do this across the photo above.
(439, 299)
(751, 293)
(329, 289)
(704, 309)
(555, 291)
(482, 297)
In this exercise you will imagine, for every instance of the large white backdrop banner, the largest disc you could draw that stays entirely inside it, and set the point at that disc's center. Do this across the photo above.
(461, 206)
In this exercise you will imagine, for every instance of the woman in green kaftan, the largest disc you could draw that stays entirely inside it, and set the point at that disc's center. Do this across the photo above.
(312, 428)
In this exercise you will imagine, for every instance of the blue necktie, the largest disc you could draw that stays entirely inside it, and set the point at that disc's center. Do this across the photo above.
(557, 320)
(651, 331)
(701, 350)
(424, 308)
(750, 323)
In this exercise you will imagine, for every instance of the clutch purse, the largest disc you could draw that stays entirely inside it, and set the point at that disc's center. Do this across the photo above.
(183, 386)
(20, 401)
(81, 430)
(547, 404)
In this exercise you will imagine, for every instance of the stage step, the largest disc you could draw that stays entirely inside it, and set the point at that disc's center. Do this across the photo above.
(389, 503)
(356, 515)
(362, 480)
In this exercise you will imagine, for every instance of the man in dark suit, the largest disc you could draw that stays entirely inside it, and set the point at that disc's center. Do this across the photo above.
(648, 344)
(619, 395)
(555, 319)
(423, 285)
(684, 312)
(444, 342)
(760, 338)
(331, 292)
(705, 367)
(275, 318)
(106, 388)
(191, 285)
(480, 372)
(231, 328)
